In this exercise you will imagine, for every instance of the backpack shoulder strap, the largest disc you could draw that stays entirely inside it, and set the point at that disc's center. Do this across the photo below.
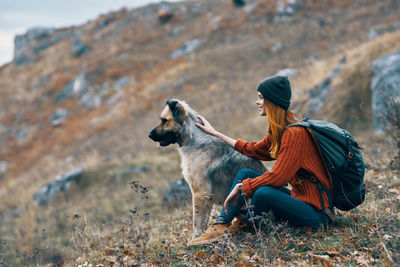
(306, 124)
(309, 176)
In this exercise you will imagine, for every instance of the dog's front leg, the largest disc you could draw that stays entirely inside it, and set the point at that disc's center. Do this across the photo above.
(202, 206)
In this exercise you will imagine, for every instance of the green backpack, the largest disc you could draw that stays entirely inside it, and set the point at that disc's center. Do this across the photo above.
(343, 160)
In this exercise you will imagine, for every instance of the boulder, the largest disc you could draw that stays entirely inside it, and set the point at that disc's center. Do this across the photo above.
(137, 169)
(249, 9)
(277, 47)
(177, 194)
(121, 83)
(58, 117)
(75, 87)
(50, 42)
(91, 100)
(198, 8)
(79, 48)
(187, 48)
(3, 168)
(23, 44)
(285, 9)
(114, 99)
(318, 94)
(178, 31)
(107, 21)
(60, 184)
(382, 29)
(287, 72)
(22, 133)
(384, 85)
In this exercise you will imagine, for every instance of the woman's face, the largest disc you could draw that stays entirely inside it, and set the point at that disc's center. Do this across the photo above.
(260, 104)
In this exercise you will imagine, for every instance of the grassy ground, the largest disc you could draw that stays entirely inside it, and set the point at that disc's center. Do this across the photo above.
(113, 218)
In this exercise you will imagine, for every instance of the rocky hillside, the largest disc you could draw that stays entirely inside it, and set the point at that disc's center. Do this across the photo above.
(86, 97)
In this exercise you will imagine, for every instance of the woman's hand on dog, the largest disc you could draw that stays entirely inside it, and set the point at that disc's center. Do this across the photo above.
(206, 126)
(233, 196)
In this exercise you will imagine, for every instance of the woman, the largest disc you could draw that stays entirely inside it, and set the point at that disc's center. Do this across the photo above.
(293, 149)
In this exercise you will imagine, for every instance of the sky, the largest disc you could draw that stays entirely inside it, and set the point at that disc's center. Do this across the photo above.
(17, 16)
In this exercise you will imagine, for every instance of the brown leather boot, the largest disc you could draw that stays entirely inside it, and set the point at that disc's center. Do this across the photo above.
(213, 233)
(238, 224)
(216, 231)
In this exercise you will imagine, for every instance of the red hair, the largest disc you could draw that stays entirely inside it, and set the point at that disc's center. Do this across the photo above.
(279, 118)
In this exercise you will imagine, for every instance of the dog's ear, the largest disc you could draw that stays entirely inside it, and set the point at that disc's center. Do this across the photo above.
(177, 110)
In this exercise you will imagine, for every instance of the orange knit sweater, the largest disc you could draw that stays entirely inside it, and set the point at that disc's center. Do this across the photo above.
(297, 151)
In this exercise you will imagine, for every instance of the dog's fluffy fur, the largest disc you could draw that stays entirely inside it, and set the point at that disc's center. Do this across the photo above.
(208, 164)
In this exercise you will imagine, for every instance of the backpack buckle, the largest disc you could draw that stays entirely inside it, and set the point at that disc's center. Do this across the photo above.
(350, 155)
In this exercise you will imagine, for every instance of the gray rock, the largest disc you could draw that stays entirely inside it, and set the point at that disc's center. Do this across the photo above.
(75, 87)
(22, 133)
(187, 48)
(277, 47)
(23, 59)
(104, 87)
(137, 169)
(385, 83)
(16, 213)
(114, 99)
(91, 100)
(287, 72)
(285, 9)
(122, 82)
(318, 94)
(23, 44)
(382, 29)
(198, 8)
(4, 132)
(38, 85)
(3, 168)
(58, 117)
(177, 194)
(177, 31)
(50, 42)
(249, 8)
(60, 184)
(107, 21)
(79, 48)
(311, 59)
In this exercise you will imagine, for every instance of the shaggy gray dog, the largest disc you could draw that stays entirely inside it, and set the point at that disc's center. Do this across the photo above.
(208, 164)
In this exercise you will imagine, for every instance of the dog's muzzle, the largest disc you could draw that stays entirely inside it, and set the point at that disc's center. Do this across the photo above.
(165, 139)
(154, 136)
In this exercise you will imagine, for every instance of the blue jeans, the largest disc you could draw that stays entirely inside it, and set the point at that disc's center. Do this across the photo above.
(266, 198)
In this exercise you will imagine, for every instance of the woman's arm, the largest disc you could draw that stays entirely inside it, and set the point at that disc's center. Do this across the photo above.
(258, 150)
(209, 129)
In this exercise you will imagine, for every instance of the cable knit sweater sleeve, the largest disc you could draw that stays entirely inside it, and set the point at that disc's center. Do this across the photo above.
(289, 161)
(258, 150)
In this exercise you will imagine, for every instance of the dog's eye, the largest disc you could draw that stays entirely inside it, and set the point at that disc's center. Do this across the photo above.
(164, 121)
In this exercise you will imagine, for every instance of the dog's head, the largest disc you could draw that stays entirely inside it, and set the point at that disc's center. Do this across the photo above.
(169, 130)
